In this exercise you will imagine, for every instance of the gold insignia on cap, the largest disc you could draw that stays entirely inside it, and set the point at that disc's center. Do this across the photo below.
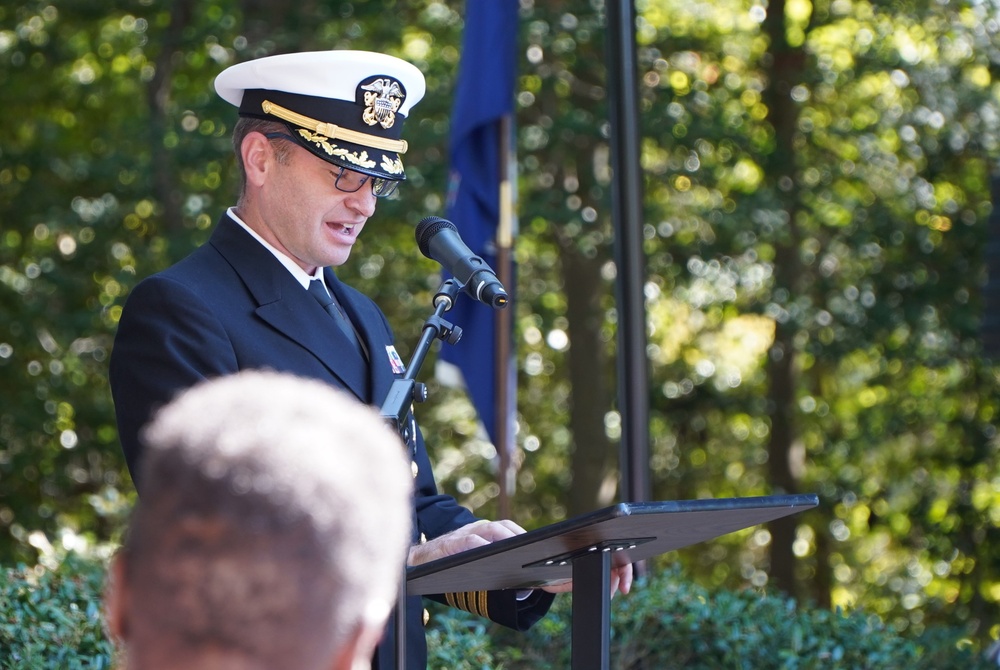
(392, 167)
(382, 100)
(361, 160)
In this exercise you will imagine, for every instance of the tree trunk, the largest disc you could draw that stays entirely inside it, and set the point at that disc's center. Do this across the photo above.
(158, 101)
(784, 66)
(594, 456)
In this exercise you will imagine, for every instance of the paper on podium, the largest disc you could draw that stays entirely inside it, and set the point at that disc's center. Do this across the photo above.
(630, 531)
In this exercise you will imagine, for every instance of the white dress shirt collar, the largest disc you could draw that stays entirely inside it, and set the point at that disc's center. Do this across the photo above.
(300, 275)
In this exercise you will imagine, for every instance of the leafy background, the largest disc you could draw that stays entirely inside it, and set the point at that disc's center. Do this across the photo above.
(817, 221)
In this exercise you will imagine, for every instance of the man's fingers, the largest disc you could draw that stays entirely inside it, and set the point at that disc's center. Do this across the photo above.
(498, 530)
(559, 587)
(625, 578)
(464, 543)
(476, 534)
(514, 528)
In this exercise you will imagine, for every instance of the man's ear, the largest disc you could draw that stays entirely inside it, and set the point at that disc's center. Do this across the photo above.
(116, 599)
(257, 156)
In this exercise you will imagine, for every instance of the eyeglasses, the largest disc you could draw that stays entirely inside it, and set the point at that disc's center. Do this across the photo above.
(350, 181)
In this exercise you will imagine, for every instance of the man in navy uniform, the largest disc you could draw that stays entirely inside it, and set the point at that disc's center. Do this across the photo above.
(317, 143)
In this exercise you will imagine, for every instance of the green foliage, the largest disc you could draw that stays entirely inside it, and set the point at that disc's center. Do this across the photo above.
(816, 191)
(668, 623)
(459, 641)
(117, 166)
(816, 204)
(52, 618)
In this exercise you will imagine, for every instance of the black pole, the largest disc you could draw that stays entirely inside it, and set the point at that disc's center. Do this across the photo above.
(626, 200)
(591, 612)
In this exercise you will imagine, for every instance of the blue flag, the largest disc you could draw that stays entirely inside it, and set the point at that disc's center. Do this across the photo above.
(484, 94)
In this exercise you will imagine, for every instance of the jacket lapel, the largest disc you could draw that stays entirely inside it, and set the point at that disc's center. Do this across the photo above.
(287, 307)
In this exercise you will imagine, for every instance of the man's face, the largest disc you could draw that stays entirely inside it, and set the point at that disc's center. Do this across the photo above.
(306, 216)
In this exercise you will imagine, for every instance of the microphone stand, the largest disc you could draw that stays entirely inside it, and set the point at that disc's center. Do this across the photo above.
(397, 410)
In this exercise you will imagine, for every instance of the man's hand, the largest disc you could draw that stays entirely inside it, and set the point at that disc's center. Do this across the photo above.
(621, 580)
(481, 533)
(470, 536)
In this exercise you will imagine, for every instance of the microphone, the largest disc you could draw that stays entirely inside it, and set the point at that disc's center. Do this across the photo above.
(438, 239)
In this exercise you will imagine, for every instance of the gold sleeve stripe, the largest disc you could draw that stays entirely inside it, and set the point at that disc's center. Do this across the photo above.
(473, 603)
(470, 601)
(484, 610)
(334, 131)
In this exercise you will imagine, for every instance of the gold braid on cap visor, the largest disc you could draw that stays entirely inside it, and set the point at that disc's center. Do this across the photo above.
(334, 131)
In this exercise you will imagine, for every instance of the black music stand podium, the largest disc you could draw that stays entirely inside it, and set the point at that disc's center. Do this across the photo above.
(585, 549)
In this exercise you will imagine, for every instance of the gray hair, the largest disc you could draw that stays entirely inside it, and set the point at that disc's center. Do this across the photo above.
(246, 125)
(275, 518)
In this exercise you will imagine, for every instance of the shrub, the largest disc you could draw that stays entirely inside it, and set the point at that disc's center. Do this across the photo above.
(668, 623)
(52, 618)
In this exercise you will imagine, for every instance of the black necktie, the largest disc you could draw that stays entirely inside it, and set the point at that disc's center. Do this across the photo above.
(318, 291)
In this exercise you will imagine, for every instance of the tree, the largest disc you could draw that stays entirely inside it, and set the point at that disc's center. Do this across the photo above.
(817, 193)
(116, 160)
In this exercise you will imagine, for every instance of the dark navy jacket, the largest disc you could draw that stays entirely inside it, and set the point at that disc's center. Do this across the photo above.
(232, 306)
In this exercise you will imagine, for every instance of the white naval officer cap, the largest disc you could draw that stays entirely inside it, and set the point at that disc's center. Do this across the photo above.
(347, 107)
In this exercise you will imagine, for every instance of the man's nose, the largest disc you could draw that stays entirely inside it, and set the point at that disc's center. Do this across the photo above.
(362, 201)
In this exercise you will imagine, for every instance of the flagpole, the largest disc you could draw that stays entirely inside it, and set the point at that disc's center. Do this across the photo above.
(481, 201)
(626, 199)
(507, 470)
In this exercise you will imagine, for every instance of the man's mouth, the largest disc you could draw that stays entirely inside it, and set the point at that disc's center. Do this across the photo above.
(345, 228)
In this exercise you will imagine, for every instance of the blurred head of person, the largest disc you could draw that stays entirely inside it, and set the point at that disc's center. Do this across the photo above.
(271, 532)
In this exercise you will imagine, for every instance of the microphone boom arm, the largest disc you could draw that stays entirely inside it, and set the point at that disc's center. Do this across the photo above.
(397, 408)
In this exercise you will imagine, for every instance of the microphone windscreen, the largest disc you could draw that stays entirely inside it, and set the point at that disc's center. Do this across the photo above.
(427, 229)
